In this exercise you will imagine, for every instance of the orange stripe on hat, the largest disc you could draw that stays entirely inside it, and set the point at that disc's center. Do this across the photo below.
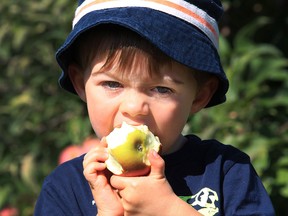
(188, 12)
(178, 8)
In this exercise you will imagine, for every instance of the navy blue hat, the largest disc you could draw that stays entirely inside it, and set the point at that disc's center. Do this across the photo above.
(185, 30)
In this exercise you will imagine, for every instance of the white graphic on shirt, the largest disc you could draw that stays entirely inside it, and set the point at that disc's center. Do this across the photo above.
(205, 199)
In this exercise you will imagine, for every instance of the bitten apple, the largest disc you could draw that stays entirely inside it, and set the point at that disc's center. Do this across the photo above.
(128, 148)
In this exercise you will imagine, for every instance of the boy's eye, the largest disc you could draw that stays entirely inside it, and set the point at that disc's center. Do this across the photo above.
(162, 90)
(111, 84)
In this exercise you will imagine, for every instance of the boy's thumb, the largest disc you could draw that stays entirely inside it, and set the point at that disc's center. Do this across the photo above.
(157, 163)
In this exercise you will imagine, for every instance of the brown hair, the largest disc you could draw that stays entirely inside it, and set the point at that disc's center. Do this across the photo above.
(121, 44)
(124, 49)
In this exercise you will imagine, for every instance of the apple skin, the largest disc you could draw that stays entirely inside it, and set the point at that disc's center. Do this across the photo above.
(69, 153)
(89, 143)
(73, 151)
(128, 149)
(132, 154)
(9, 211)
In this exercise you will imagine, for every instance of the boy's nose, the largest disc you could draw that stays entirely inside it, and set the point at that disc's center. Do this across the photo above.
(134, 104)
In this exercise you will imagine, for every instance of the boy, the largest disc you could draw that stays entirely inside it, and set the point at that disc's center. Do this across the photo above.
(150, 62)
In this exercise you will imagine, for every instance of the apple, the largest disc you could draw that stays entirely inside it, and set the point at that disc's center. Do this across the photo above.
(128, 148)
(73, 151)
(89, 143)
(69, 153)
(9, 211)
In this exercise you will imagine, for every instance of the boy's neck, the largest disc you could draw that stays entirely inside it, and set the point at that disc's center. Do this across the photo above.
(177, 145)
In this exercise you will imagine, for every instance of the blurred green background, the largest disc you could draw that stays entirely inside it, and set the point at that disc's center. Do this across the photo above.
(38, 119)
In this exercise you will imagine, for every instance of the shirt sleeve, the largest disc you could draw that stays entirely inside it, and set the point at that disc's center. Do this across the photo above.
(50, 202)
(66, 192)
(244, 193)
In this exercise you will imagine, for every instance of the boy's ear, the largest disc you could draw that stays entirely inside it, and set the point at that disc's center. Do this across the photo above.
(204, 94)
(76, 76)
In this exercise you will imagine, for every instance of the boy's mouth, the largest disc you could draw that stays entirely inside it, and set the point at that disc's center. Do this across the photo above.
(132, 124)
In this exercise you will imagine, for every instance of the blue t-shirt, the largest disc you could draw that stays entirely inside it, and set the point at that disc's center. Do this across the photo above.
(215, 179)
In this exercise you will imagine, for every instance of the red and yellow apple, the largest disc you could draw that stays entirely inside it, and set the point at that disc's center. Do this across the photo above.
(128, 148)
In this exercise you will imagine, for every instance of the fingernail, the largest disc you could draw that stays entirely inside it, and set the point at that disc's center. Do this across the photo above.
(155, 154)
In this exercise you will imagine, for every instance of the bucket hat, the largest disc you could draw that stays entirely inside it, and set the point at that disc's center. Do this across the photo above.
(185, 30)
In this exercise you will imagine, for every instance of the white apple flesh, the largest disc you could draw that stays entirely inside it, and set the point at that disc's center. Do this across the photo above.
(128, 148)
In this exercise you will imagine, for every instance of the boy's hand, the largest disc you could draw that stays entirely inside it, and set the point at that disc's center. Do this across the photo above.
(106, 198)
(147, 195)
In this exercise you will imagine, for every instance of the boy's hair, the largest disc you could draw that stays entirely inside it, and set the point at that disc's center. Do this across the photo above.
(117, 42)
(125, 47)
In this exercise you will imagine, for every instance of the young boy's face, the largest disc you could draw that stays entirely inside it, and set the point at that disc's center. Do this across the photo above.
(136, 84)
(163, 102)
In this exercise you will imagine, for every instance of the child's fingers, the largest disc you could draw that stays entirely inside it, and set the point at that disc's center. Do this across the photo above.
(98, 154)
(157, 164)
(103, 141)
(119, 182)
(90, 171)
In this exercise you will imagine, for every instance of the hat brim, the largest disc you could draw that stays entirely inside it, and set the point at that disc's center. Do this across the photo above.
(176, 38)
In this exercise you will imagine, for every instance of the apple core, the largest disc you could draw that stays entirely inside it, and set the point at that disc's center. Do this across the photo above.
(128, 148)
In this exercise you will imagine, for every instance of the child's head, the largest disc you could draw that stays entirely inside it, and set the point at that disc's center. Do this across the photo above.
(124, 49)
(152, 64)
(184, 30)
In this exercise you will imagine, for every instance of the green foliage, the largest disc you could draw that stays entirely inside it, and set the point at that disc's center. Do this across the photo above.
(38, 120)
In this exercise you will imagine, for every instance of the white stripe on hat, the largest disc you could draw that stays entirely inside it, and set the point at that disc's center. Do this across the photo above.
(178, 8)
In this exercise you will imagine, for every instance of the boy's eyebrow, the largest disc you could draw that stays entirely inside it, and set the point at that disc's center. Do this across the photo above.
(94, 73)
(112, 75)
(98, 72)
(108, 73)
(173, 79)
